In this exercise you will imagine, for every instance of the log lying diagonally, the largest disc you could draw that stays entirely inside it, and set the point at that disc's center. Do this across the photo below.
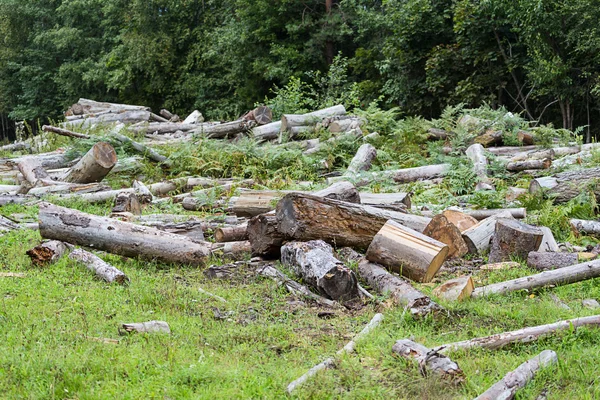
(429, 360)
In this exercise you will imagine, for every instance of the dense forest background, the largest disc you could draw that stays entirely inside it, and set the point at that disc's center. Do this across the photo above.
(539, 58)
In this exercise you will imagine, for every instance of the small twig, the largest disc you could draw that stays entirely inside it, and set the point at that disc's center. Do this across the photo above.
(212, 295)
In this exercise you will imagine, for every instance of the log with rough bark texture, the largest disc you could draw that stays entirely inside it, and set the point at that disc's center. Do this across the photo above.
(87, 106)
(561, 276)
(586, 226)
(461, 220)
(529, 164)
(141, 148)
(478, 236)
(102, 269)
(408, 252)
(315, 263)
(568, 185)
(489, 138)
(147, 327)
(507, 387)
(192, 229)
(514, 238)
(442, 230)
(127, 202)
(118, 237)
(291, 120)
(344, 125)
(264, 235)
(64, 132)
(429, 360)
(544, 261)
(400, 175)
(198, 204)
(455, 289)
(226, 129)
(518, 213)
(232, 250)
(306, 217)
(162, 128)
(437, 134)
(393, 201)
(513, 193)
(261, 114)
(17, 146)
(400, 290)
(267, 132)
(14, 199)
(125, 117)
(510, 150)
(94, 165)
(534, 155)
(232, 233)
(47, 252)
(343, 191)
(32, 170)
(362, 159)
(548, 242)
(476, 154)
(255, 203)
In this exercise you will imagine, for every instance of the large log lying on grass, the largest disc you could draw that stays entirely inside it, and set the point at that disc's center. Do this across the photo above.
(544, 261)
(478, 236)
(102, 269)
(118, 237)
(514, 238)
(561, 276)
(315, 263)
(585, 226)
(307, 217)
(401, 291)
(429, 360)
(94, 165)
(506, 387)
(568, 185)
(290, 120)
(408, 252)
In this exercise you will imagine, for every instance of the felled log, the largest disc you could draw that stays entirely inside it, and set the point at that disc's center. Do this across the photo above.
(9, 189)
(442, 230)
(264, 236)
(391, 201)
(290, 120)
(102, 269)
(17, 146)
(561, 276)
(478, 237)
(307, 217)
(118, 237)
(191, 229)
(344, 125)
(254, 203)
(141, 148)
(127, 202)
(343, 191)
(267, 132)
(125, 117)
(455, 289)
(534, 155)
(168, 115)
(489, 138)
(526, 138)
(94, 165)
(476, 154)
(72, 188)
(400, 175)
(87, 106)
(47, 252)
(429, 360)
(518, 213)
(459, 219)
(32, 170)
(362, 159)
(406, 251)
(64, 132)
(548, 242)
(7, 225)
(514, 238)
(147, 327)
(510, 150)
(232, 233)
(194, 118)
(529, 164)
(261, 114)
(315, 263)
(544, 261)
(162, 128)
(514, 380)
(567, 185)
(585, 226)
(232, 250)
(14, 199)
(400, 290)
(319, 145)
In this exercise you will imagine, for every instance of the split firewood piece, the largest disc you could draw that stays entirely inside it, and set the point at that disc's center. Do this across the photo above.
(500, 266)
(64, 132)
(362, 160)
(400, 290)
(476, 154)
(518, 213)
(232, 250)
(127, 202)
(11, 275)
(147, 327)
(529, 164)
(525, 335)
(440, 229)
(455, 289)
(94, 165)
(265, 238)
(330, 362)
(408, 252)
(561, 276)
(141, 148)
(548, 242)
(459, 219)
(232, 233)
(507, 387)
(478, 236)
(544, 261)
(290, 120)
(514, 238)
(307, 217)
(567, 185)
(489, 138)
(47, 252)
(315, 263)
(102, 269)
(118, 237)
(429, 360)
(32, 170)
(292, 286)
(585, 226)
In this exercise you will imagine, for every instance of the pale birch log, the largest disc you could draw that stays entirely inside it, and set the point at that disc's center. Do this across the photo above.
(568, 185)
(518, 213)
(233, 250)
(528, 164)
(586, 226)
(362, 159)
(429, 360)
(64, 132)
(147, 327)
(476, 154)
(385, 200)
(47, 252)
(73, 188)
(561, 276)
(290, 120)
(478, 237)
(102, 269)
(94, 165)
(267, 131)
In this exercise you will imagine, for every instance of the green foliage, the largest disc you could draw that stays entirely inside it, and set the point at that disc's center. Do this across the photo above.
(461, 179)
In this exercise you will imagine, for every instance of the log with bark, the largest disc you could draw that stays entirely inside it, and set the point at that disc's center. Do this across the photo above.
(429, 360)
(544, 261)
(232, 250)
(400, 175)
(561, 276)
(32, 170)
(64, 132)
(525, 138)
(102, 269)
(94, 165)
(267, 132)
(476, 154)
(232, 233)
(455, 289)
(118, 237)
(442, 230)
(518, 213)
(290, 120)
(489, 138)
(391, 201)
(147, 327)
(87, 106)
(47, 252)
(191, 229)
(514, 238)
(507, 387)
(141, 148)
(261, 114)
(127, 202)
(406, 251)
(568, 185)
(224, 130)
(315, 263)
(17, 146)
(585, 226)
(528, 165)
(264, 236)
(362, 159)
(437, 134)
(478, 236)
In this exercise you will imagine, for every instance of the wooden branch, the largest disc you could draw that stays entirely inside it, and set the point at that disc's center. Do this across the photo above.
(429, 360)
(585, 226)
(147, 327)
(141, 148)
(102, 269)
(47, 252)
(64, 132)
(567, 185)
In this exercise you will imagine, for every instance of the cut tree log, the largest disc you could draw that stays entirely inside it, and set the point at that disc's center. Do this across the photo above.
(408, 252)
(142, 192)
(437, 134)
(489, 138)
(346, 124)
(192, 229)
(518, 213)
(507, 387)
(400, 290)
(265, 238)
(17, 146)
(232, 250)
(87, 106)
(141, 148)
(548, 242)
(94, 165)
(568, 185)
(476, 154)
(455, 289)
(102, 269)
(291, 120)
(529, 164)
(343, 191)
(224, 130)
(315, 263)
(459, 219)
(64, 132)
(544, 261)
(514, 238)
(127, 202)
(429, 360)
(392, 201)
(125, 117)
(73, 188)
(526, 138)
(362, 160)
(194, 118)
(147, 327)
(232, 233)
(478, 237)
(47, 252)
(307, 217)
(261, 114)
(442, 230)
(118, 237)
(585, 226)
(561, 276)
(267, 132)
(32, 170)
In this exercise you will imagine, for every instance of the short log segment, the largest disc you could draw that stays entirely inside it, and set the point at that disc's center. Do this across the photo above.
(528, 164)
(429, 360)
(544, 261)
(561, 276)
(363, 159)
(232, 250)
(476, 154)
(585, 226)
(127, 202)
(307, 217)
(408, 252)
(118, 237)
(147, 327)
(568, 185)
(102, 269)
(231, 233)
(507, 387)
(440, 229)
(94, 165)
(455, 289)
(459, 219)
(264, 236)
(478, 237)
(400, 290)
(32, 170)
(315, 263)
(514, 238)
(47, 252)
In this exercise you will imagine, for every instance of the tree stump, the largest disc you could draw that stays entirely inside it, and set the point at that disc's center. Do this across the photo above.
(514, 238)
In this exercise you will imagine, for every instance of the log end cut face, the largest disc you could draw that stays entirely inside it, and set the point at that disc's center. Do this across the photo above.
(105, 155)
